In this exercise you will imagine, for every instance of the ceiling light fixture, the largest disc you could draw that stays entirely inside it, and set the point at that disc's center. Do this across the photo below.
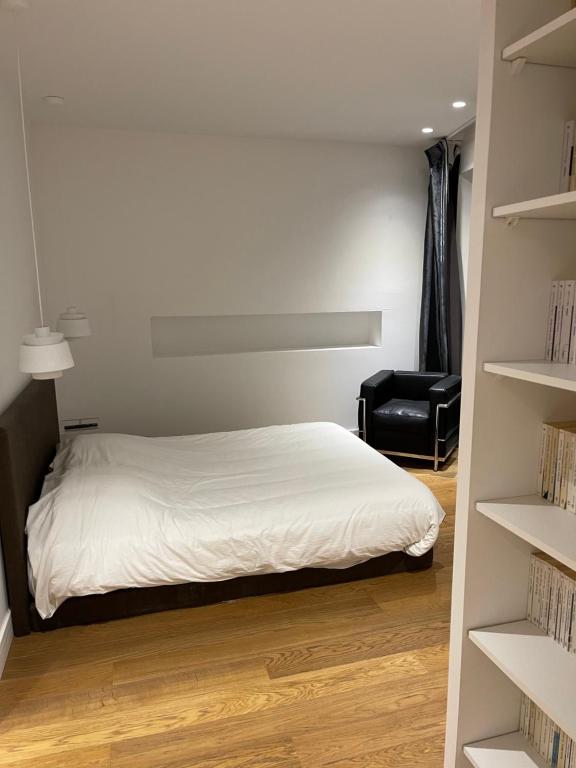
(45, 354)
(458, 104)
(55, 101)
(73, 324)
(427, 130)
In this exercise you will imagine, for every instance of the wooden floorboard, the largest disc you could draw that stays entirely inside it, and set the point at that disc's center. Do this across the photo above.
(345, 676)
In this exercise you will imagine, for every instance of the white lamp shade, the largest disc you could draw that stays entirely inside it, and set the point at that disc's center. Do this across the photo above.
(73, 324)
(45, 354)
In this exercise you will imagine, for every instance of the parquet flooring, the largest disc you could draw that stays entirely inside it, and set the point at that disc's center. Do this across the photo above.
(347, 676)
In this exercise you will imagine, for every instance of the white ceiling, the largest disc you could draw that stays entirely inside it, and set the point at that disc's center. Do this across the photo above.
(369, 70)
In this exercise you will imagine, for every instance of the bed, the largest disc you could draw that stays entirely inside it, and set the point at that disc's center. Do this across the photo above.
(125, 525)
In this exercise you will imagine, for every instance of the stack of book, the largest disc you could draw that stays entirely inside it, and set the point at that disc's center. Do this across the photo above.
(568, 167)
(561, 331)
(555, 746)
(551, 600)
(557, 464)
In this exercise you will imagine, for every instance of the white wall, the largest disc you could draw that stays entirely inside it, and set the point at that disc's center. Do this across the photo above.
(134, 225)
(18, 303)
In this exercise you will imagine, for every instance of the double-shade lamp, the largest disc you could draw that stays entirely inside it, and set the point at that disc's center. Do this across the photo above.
(45, 353)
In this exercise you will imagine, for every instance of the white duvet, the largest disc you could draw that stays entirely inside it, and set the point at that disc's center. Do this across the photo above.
(125, 511)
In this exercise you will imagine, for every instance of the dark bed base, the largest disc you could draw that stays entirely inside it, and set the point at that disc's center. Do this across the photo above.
(134, 602)
(28, 439)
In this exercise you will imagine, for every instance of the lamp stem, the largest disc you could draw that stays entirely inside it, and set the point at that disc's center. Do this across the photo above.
(27, 166)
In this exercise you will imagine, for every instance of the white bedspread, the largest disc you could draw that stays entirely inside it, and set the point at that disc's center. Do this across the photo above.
(125, 511)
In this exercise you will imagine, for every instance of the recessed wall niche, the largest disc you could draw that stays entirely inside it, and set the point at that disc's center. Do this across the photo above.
(186, 336)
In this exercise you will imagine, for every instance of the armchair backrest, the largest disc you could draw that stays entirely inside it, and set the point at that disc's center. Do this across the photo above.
(414, 385)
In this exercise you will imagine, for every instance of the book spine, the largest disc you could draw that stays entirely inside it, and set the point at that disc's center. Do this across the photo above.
(523, 705)
(547, 596)
(529, 607)
(551, 626)
(567, 317)
(548, 461)
(555, 753)
(563, 607)
(563, 751)
(536, 601)
(542, 458)
(573, 626)
(566, 156)
(559, 465)
(566, 613)
(542, 590)
(569, 617)
(558, 322)
(560, 597)
(551, 321)
(570, 158)
(566, 465)
(571, 492)
(552, 462)
(562, 187)
(538, 729)
(572, 357)
(545, 738)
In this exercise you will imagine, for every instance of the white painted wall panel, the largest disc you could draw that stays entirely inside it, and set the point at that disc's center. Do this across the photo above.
(137, 225)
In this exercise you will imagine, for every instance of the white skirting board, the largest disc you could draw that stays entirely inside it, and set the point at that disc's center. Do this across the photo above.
(6, 637)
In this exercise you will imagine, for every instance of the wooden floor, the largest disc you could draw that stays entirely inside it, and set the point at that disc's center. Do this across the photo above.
(345, 676)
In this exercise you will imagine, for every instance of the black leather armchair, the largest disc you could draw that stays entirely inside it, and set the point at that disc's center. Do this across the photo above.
(416, 414)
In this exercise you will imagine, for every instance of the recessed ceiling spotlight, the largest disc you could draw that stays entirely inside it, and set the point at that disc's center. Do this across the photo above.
(458, 104)
(427, 130)
(55, 101)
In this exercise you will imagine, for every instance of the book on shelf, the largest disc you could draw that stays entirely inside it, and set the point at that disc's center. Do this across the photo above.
(568, 167)
(552, 600)
(547, 738)
(561, 328)
(557, 464)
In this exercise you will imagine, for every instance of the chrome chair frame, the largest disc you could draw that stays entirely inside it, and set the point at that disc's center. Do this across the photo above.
(437, 440)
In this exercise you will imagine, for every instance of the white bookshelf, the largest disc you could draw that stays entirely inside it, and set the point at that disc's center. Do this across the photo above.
(508, 390)
(537, 664)
(508, 751)
(558, 375)
(545, 526)
(553, 44)
(559, 206)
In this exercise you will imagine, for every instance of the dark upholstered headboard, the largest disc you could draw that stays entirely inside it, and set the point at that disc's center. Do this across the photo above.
(28, 440)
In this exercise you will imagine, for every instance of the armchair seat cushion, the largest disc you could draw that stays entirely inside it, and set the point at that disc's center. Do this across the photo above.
(403, 416)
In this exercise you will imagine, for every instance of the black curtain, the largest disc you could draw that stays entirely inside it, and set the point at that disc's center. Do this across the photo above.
(441, 309)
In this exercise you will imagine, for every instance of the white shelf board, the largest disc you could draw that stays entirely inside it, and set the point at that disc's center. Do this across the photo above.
(553, 44)
(558, 375)
(509, 751)
(560, 206)
(532, 518)
(537, 665)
